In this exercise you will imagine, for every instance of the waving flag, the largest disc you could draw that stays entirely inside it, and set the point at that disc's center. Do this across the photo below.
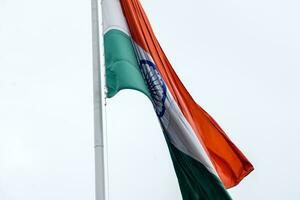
(205, 160)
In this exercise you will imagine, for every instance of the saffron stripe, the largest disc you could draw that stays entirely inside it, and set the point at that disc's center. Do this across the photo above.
(230, 163)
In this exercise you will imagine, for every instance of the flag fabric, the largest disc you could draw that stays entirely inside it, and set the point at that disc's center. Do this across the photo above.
(205, 160)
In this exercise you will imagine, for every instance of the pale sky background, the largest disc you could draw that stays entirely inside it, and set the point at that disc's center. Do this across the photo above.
(239, 59)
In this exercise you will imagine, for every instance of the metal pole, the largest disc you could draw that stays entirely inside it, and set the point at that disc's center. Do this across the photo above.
(99, 140)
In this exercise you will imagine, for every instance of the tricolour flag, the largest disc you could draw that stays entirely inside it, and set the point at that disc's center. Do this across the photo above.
(205, 160)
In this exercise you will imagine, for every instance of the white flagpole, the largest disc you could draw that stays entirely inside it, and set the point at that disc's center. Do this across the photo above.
(101, 175)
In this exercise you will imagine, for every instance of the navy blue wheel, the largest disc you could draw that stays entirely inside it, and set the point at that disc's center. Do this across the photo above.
(156, 86)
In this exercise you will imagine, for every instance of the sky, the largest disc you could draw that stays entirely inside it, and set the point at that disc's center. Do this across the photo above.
(239, 60)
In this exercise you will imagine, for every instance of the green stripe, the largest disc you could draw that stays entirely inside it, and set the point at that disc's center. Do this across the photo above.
(195, 181)
(122, 70)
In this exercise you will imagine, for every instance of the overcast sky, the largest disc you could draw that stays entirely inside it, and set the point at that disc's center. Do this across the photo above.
(239, 59)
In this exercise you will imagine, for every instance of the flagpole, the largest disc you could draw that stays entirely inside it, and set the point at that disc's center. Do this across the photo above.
(101, 175)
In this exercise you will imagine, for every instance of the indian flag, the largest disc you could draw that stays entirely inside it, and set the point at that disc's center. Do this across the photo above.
(205, 160)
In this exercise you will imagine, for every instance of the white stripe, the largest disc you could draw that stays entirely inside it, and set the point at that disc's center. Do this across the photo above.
(113, 17)
(182, 136)
(178, 129)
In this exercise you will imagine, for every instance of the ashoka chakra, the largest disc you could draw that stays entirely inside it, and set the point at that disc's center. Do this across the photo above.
(156, 86)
